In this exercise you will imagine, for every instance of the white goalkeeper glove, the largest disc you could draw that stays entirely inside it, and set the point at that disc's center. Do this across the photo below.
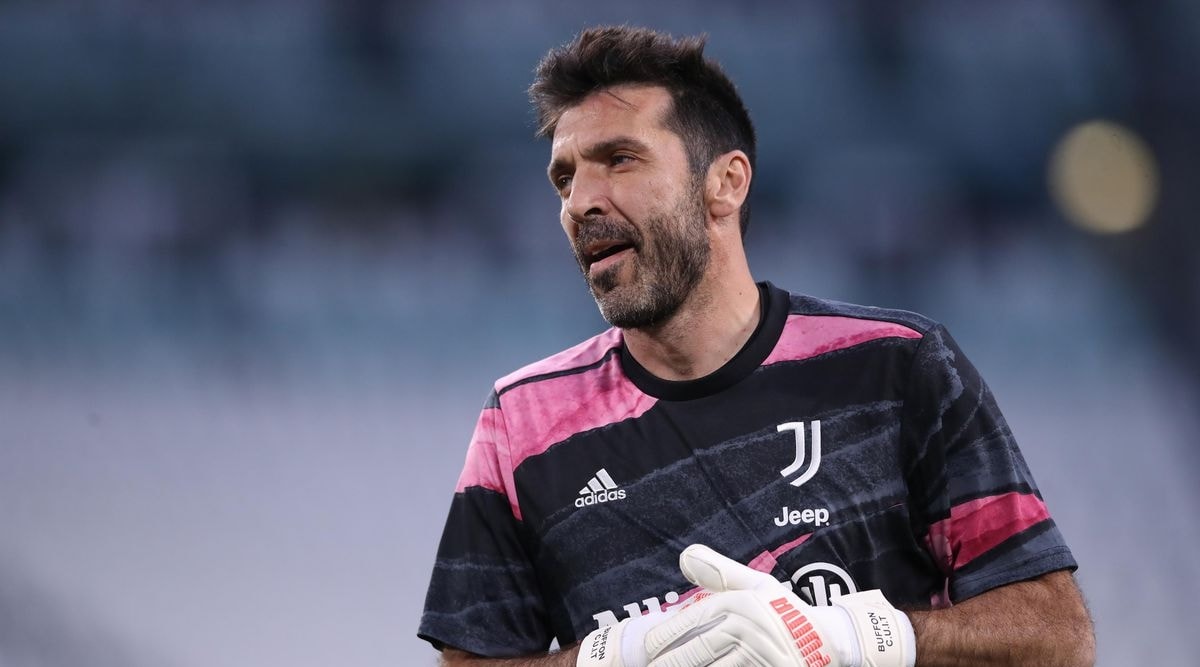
(751, 619)
(621, 645)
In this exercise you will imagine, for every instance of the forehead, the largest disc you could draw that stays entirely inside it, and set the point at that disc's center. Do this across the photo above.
(634, 110)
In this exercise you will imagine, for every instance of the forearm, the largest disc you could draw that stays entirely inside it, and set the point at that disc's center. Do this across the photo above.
(1040, 622)
(564, 658)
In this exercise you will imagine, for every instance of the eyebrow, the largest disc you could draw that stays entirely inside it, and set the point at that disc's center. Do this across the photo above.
(560, 165)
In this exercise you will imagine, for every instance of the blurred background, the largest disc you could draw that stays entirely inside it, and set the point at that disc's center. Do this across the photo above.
(260, 262)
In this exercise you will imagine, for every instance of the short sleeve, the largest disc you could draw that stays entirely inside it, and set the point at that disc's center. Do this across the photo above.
(982, 517)
(483, 594)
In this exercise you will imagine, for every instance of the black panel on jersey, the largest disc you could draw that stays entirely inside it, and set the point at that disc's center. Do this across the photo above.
(961, 445)
(809, 305)
(480, 544)
(1039, 544)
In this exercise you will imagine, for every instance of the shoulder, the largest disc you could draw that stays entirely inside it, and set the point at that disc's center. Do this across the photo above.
(804, 305)
(585, 356)
(818, 327)
(576, 390)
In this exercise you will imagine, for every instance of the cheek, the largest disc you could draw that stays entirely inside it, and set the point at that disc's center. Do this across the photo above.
(661, 189)
(568, 225)
(662, 194)
(642, 198)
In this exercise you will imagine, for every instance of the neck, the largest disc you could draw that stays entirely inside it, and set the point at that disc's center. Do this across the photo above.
(706, 332)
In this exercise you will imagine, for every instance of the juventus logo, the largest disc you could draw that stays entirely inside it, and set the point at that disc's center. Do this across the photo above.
(804, 461)
(821, 583)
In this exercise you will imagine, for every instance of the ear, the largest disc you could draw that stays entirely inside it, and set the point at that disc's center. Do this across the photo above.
(727, 184)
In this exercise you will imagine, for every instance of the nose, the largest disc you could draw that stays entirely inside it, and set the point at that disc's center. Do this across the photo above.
(588, 196)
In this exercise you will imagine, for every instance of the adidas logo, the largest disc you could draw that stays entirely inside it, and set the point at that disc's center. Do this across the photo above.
(600, 489)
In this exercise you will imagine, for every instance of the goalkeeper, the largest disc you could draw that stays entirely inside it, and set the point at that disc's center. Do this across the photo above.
(860, 499)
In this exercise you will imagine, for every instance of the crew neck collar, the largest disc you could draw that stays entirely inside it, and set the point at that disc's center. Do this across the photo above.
(772, 317)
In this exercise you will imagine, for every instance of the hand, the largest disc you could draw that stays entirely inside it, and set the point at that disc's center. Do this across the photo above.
(750, 619)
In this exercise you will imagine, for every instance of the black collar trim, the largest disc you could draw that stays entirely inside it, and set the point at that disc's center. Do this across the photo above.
(775, 306)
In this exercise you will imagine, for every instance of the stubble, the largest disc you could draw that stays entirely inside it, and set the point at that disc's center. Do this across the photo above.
(669, 261)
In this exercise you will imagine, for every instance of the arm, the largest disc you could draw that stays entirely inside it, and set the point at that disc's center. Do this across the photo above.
(985, 524)
(1042, 621)
(452, 657)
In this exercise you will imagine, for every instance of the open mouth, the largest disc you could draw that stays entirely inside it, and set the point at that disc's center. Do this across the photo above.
(600, 251)
(602, 255)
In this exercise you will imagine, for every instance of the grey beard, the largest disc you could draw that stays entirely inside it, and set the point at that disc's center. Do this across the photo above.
(660, 290)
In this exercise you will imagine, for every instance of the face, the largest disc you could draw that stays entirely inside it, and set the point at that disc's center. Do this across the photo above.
(631, 207)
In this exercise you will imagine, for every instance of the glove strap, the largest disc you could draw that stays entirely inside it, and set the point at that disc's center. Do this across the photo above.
(884, 633)
(601, 648)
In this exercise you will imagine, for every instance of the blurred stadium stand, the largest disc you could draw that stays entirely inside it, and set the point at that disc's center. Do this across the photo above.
(260, 261)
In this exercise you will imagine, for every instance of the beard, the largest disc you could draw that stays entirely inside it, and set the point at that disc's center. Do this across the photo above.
(669, 260)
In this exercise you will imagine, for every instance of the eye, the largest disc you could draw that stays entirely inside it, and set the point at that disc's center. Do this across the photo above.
(619, 159)
(561, 183)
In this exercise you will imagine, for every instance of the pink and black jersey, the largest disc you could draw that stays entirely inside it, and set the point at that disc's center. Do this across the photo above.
(844, 448)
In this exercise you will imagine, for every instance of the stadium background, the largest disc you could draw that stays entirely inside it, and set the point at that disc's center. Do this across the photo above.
(259, 262)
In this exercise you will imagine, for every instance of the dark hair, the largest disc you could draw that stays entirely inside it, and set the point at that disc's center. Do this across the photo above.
(706, 112)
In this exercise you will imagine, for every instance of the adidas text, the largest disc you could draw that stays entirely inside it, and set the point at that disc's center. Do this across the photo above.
(600, 489)
(602, 497)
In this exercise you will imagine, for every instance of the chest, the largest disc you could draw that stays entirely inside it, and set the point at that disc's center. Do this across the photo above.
(802, 482)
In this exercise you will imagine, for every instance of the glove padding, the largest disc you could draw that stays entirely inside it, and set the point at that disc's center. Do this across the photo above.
(751, 619)
(622, 644)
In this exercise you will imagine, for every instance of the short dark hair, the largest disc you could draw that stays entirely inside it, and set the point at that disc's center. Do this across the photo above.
(706, 111)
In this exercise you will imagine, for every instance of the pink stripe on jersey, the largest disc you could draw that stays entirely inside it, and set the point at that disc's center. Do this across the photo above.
(553, 410)
(584, 354)
(788, 546)
(807, 336)
(482, 466)
(977, 526)
(767, 560)
(549, 410)
(487, 456)
(764, 562)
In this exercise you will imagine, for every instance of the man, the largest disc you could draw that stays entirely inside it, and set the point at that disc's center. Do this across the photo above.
(840, 463)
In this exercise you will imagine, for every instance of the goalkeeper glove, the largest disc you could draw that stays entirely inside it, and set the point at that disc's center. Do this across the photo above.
(620, 645)
(750, 618)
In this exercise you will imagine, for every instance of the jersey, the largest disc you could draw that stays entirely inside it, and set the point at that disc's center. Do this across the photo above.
(843, 448)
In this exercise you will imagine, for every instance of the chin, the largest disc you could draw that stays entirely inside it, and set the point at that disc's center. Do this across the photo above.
(624, 308)
(605, 282)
